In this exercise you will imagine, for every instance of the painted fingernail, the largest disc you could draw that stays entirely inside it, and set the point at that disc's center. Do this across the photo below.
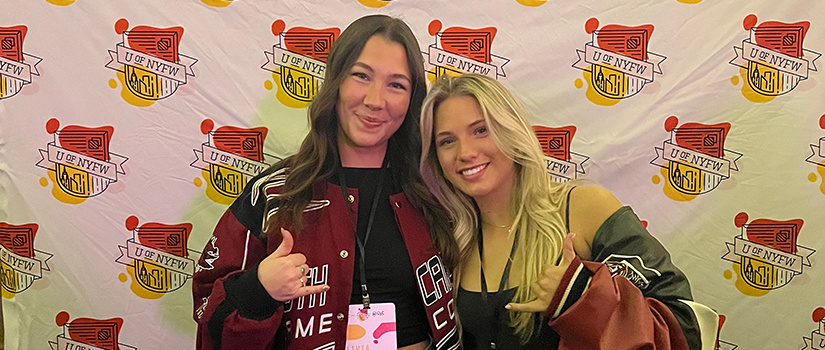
(326, 288)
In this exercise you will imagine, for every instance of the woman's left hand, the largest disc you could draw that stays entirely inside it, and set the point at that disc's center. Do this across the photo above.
(545, 287)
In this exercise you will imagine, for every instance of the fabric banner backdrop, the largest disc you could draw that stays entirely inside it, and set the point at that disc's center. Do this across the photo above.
(128, 127)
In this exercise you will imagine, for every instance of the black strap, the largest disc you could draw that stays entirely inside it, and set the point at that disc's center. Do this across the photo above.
(505, 276)
(365, 296)
(567, 210)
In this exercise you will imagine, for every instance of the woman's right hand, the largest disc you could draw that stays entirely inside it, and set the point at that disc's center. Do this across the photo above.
(546, 285)
(284, 274)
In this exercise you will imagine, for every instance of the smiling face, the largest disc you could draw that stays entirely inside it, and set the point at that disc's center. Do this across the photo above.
(372, 102)
(467, 153)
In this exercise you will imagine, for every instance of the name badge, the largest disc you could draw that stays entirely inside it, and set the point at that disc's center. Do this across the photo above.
(372, 328)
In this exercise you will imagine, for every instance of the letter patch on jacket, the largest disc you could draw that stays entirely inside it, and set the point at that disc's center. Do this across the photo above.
(631, 267)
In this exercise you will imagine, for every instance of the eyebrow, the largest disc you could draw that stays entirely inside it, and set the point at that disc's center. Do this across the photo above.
(474, 124)
(393, 76)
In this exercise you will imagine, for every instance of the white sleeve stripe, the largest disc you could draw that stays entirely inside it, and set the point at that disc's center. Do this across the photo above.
(245, 250)
(569, 288)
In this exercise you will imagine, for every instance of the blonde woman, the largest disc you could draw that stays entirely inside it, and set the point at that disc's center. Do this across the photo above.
(523, 281)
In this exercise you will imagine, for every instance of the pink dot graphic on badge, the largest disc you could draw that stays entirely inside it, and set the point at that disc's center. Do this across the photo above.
(382, 329)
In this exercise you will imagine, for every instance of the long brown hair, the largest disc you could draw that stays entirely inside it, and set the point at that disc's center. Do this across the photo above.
(317, 157)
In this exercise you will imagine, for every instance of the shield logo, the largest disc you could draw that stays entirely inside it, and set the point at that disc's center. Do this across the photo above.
(18, 240)
(315, 43)
(471, 43)
(171, 239)
(142, 83)
(562, 164)
(780, 235)
(299, 85)
(555, 142)
(627, 41)
(247, 143)
(780, 37)
(160, 43)
(100, 333)
(93, 142)
(11, 48)
(707, 139)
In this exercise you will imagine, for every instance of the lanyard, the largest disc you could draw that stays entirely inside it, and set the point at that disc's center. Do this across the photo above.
(503, 283)
(365, 296)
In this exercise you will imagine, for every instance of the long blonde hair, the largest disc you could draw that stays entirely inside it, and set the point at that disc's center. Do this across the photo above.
(535, 203)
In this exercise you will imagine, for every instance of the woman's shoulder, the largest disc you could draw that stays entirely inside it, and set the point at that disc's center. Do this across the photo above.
(590, 205)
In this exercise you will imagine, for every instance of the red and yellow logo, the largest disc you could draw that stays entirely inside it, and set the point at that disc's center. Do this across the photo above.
(818, 157)
(230, 157)
(459, 50)
(694, 159)
(298, 62)
(88, 333)
(562, 164)
(616, 62)
(79, 161)
(767, 254)
(773, 60)
(148, 63)
(157, 257)
(16, 66)
(21, 263)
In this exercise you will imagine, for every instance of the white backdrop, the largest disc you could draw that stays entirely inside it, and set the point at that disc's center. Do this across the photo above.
(126, 128)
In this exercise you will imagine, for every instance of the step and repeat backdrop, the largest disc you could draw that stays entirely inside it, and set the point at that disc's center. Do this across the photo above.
(128, 127)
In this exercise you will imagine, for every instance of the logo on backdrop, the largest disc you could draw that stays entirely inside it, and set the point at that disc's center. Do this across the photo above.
(817, 339)
(148, 62)
(218, 3)
(61, 2)
(298, 61)
(772, 59)
(229, 158)
(532, 3)
(562, 165)
(375, 3)
(16, 66)
(616, 62)
(458, 50)
(22, 264)
(79, 161)
(157, 256)
(88, 333)
(767, 252)
(694, 160)
(818, 157)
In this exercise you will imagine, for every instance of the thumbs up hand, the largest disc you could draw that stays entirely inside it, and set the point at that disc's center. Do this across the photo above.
(545, 287)
(284, 274)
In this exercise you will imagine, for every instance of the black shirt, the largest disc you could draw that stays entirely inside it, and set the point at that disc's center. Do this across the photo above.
(491, 323)
(390, 275)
